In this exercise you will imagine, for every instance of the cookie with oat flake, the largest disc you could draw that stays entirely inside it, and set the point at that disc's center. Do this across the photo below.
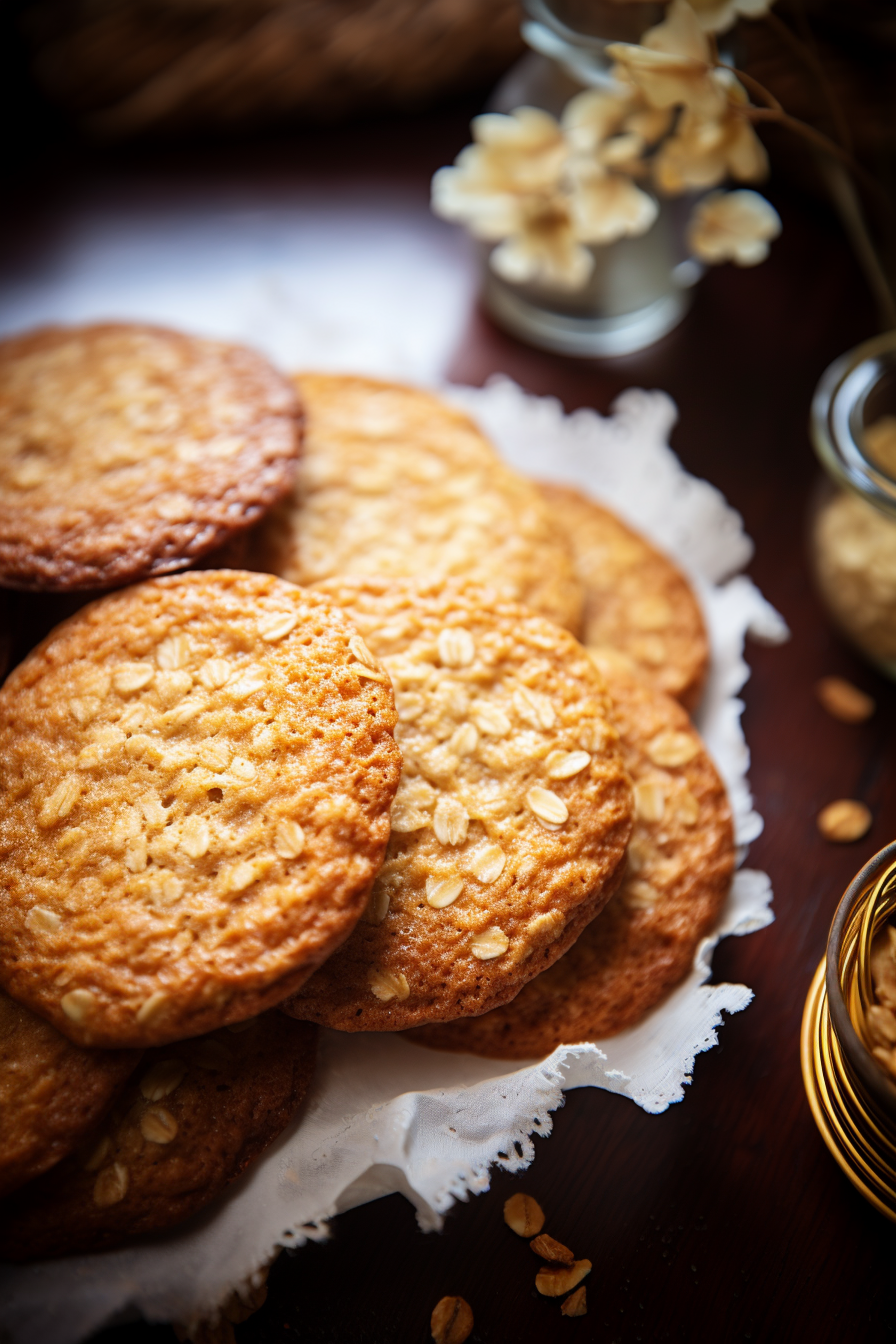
(395, 482)
(197, 780)
(512, 815)
(679, 867)
(51, 1092)
(129, 451)
(636, 600)
(193, 1118)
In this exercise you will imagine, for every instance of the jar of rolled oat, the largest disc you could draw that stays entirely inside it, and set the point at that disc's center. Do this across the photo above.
(853, 526)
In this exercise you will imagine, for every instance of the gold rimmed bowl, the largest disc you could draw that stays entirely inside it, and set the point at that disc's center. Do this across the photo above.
(852, 1098)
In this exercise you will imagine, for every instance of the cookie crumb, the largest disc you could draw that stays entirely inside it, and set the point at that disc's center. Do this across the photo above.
(549, 1249)
(556, 1280)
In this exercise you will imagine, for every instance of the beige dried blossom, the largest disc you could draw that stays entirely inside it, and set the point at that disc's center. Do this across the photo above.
(733, 226)
(514, 159)
(543, 246)
(704, 151)
(607, 206)
(673, 66)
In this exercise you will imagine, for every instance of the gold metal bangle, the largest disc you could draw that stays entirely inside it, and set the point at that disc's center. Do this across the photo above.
(859, 1133)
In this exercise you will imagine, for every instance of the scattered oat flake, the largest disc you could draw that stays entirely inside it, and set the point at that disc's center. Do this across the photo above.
(555, 1280)
(549, 1249)
(456, 647)
(388, 985)
(451, 1321)
(359, 650)
(488, 865)
(77, 1004)
(575, 1304)
(565, 764)
(523, 1215)
(277, 625)
(844, 821)
(111, 1185)
(844, 701)
(162, 1079)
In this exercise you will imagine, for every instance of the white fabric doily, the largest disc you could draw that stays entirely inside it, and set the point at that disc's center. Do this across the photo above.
(385, 1115)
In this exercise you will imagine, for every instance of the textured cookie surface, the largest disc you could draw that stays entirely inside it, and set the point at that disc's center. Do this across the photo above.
(130, 451)
(51, 1092)
(510, 821)
(636, 599)
(679, 866)
(395, 482)
(197, 774)
(192, 1118)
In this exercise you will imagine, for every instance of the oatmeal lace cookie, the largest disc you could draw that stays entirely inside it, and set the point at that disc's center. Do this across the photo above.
(51, 1092)
(395, 482)
(511, 818)
(678, 870)
(636, 600)
(197, 779)
(130, 451)
(192, 1119)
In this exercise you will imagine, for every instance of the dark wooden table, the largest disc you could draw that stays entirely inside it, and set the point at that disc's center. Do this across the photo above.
(725, 1218)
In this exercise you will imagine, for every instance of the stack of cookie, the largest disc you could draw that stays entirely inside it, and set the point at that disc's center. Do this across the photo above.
(369, 778)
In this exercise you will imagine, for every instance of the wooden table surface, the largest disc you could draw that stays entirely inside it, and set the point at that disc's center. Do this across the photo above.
(725, 1218)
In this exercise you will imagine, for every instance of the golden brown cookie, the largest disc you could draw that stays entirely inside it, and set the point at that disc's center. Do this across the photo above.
(679, 867)
(51, 1092)
(395, 482)
(192, 1119)
(129, 451)
(636, 599)
(511, 818)
(198, 773)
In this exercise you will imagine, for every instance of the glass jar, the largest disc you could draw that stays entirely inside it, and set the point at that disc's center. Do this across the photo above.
(639, 288)
(853, 526)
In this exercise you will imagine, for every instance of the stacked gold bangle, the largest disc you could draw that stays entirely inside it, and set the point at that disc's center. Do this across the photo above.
(852, 1099)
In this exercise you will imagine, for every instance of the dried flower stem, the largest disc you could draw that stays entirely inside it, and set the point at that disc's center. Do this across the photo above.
(805, 52)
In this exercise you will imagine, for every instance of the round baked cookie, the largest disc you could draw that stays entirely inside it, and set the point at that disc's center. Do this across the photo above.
(512, 815)
(130, 451)
(197, 780)
(678, 871)
(192, 1119)
(636, 600)
(51, 1092)
(395, 482)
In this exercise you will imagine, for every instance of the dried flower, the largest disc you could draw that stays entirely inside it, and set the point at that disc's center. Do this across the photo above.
(543, 245)
(515, 159)
(672, 66)
(733, 226)
(606, 206)
(717, 16)
(704, 151)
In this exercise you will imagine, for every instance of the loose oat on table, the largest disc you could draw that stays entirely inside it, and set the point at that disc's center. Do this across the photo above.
(844, 821)
(843, 700)
(495, 864)
(678, 870)
(192, 1118)
(51, 1092)
(576, 1304)
(549, 1249)
(636, 600)
(451, 1321)
(128, 451)
(395, 482)
(555, 1280)
(197, 782)
(523, 1215)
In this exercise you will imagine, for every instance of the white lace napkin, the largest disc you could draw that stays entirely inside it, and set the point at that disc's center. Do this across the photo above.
(385, 1115)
